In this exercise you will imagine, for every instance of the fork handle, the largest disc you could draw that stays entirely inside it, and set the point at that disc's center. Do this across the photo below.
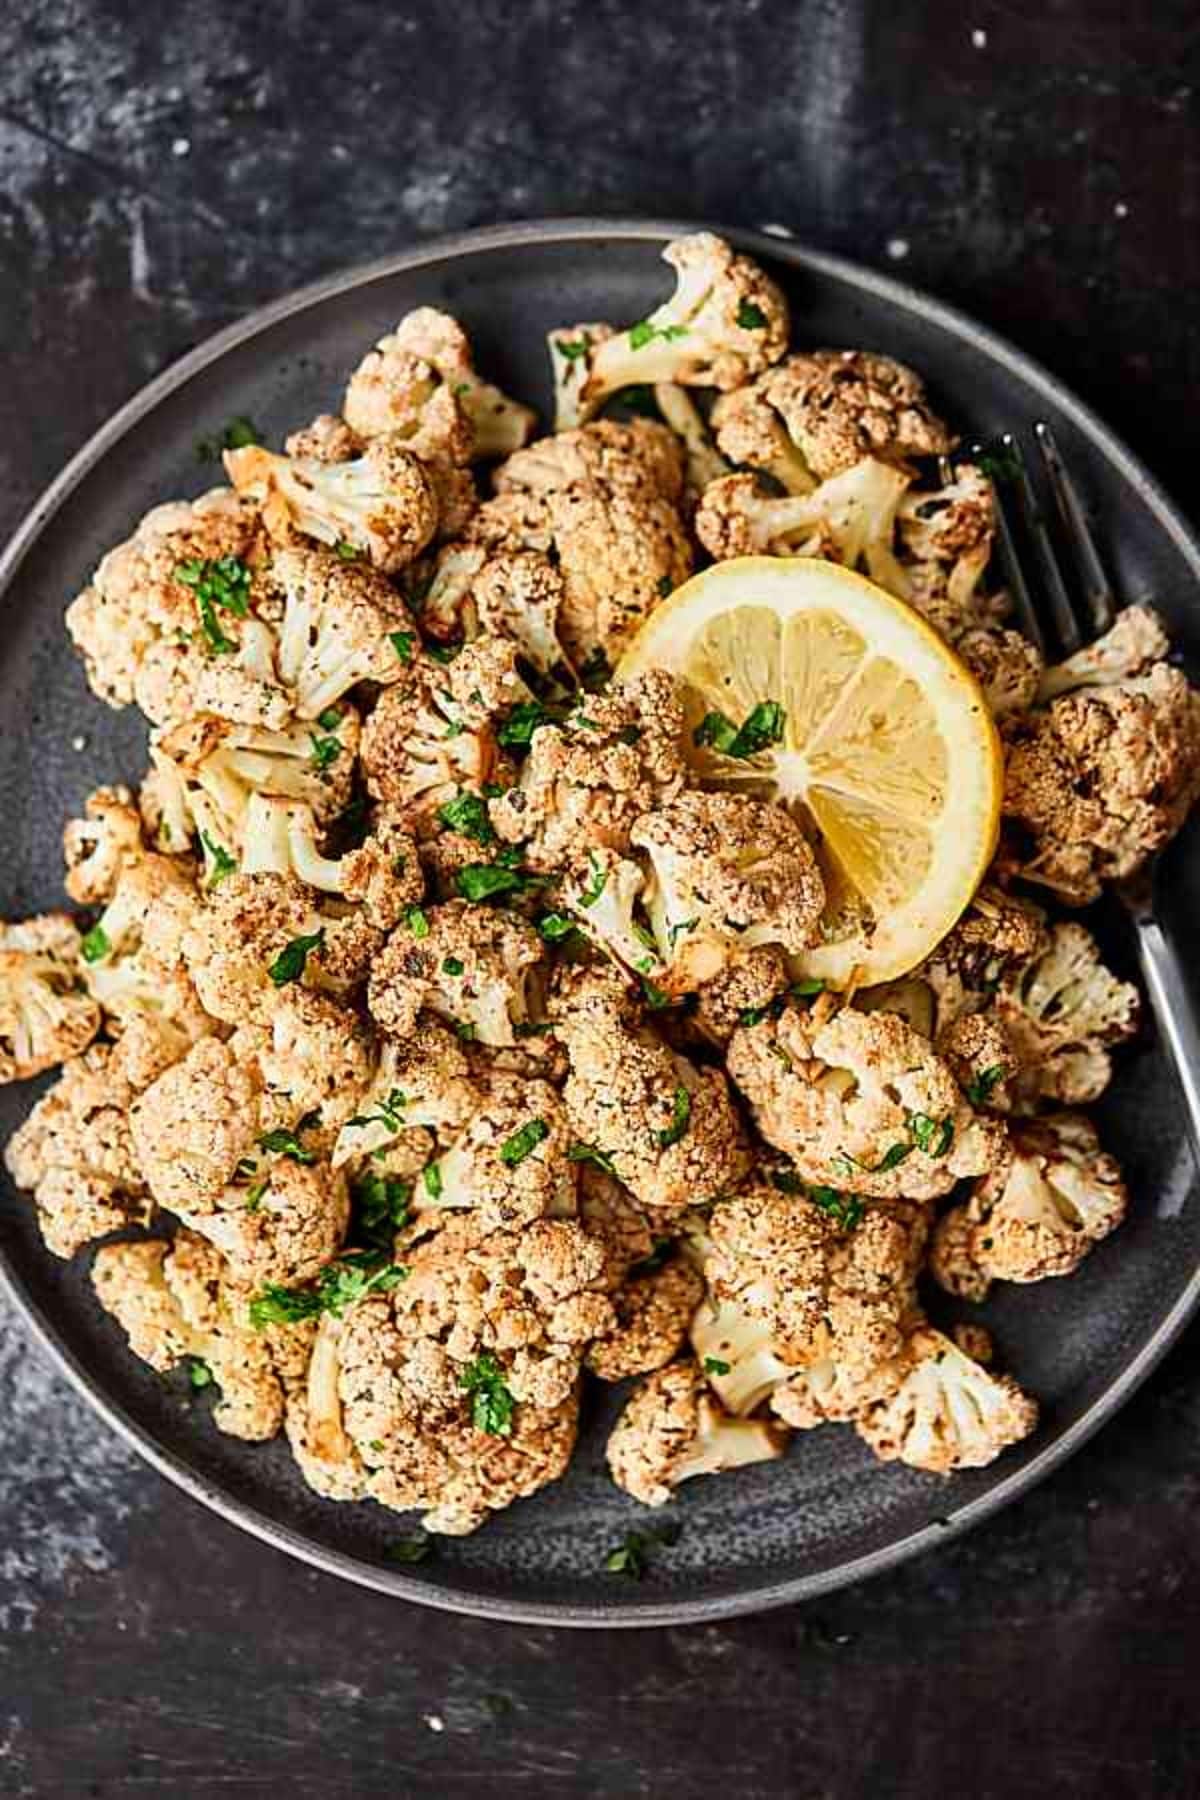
(1175, 1011)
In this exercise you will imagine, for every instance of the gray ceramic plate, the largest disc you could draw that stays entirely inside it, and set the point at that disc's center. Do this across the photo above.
(829, 1514)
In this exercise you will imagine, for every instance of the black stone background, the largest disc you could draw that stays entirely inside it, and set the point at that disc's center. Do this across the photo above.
(162, 170)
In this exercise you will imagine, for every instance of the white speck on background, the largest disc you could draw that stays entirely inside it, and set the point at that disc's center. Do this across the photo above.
(1178, 1185)
(1120, 210)
(897, 248)
(979, 39)
(79, 742)
(139, 265)
(180, 146)
(773, 230)
(434, 1722)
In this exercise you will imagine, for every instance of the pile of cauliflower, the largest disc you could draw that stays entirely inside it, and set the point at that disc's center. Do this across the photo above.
(430, 1038)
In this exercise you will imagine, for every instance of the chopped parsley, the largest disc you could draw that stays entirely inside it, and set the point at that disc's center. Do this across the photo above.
(555, 926)
(750, 317)
(597, 882)
(237, 435)
(716, 1365)
(933, 1136)
(222, 863)
(516, 731)
(389, 1113)
(409, 1549)
(570, 349)
(402, 644)
(634, 1555)
(892, 1158)
(290, 964)
(217, 581)
(339, 1285)
(199, 1373)
(845, 1210)
(762, 727)
(588, 1153)
(347, 551)
(979, 1092)
(468, 814)
(380, 1208)
(255, 1192)
(486, 881)
(443, 653)
(679, 1119)
(286, 1143)
(999, 465)
(522, 1143)
(325, 750)
(95, 946)
(645, 332)
(491, 1401)
(665, 586)
(805, 989)
(416, 920)
(330, 719)
(431, 1180)
(452, 965)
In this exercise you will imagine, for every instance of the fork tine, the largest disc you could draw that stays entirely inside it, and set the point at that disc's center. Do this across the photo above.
(1096, 585)
(1066, 625)
(1010, 562)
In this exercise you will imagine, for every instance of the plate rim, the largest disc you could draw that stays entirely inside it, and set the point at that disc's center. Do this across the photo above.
(767, 1595)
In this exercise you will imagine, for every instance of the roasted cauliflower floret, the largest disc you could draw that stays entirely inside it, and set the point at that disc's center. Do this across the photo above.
(724, 324)
(381, 503)
(341, 624)
(1006, 666)
(748, 982)
(838, 406)
(198, 1122)
(653, 1314)
(1129, 647)
(46, 1012)
(751, 433)
(997, 935)
(585, 782)
(1061, 1012)
(605, 501)
(97, 846)
(317, 1061)
(178, 1300)
(833, 1278)
(508, 1164)
(169, 621)
(498, 425)
(948, 1412)
(282, 1223)
(726, 872)
(946, 533)
(74, 1152)
(849, 519)
(861, 1100)
(422, 1081)
(420, 749)
(1102, 778)
(672, 1429)
(515, 595)
(395, 393)
(468, 964)
(134, 962)
(736, 1350)
(668, 1128)
(703, 462)
(1039, 1217)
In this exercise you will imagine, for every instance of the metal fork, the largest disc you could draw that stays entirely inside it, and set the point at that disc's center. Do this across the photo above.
(1076, 605)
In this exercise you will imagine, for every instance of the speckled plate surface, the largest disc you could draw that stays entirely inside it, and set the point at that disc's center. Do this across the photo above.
(828, 1514)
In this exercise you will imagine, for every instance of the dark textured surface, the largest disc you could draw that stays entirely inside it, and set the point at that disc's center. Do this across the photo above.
(147, 1648)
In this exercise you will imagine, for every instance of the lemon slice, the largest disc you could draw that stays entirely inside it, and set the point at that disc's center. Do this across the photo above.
(808, 685)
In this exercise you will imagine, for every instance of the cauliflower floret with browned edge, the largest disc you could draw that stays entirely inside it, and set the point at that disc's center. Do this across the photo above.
(838, 406)
(653, 1314)
(282, 1223)
(668, 1128)
(727, 872)
(752, 435)
(1005, 664)
(737, 1352)
(97, 846)
(981, 1057)
(74, 1152)
(499, 425)
(341, 623)
(605, 500)
(393, 392)
(422, 1080)
(725, 323)
(1061, 1012)
(1060, 1195)
(318, 1062)
(169, 618)
(584, 782)
(46, 1012)
(134, 962)
(419, 750)
(179, 1300)
(257, 933)
(673, 1430)
(948, 1412)
(997, 935)
(383, 874)
(381, 503)
(1134, 641)
(832, 1280)
(468, 964)
(476, 592)
(198, 1122)
(508, 1164)
(1101, 779)
(327, 438)
(744, 987)
(849, 519)
(611, 1214)
(861, 1100)
(950, 529)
